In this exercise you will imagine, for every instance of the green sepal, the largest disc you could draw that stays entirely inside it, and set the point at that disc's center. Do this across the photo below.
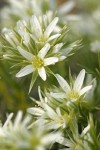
(34, 77)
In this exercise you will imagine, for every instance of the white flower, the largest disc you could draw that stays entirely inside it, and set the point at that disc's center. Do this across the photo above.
(36, 62)
(53, 118)
(73, 93)
(14, 127)
(43, 35)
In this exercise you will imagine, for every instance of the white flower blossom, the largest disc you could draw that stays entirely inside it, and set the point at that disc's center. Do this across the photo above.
(36, 62)
(76, 91)
(41, 34)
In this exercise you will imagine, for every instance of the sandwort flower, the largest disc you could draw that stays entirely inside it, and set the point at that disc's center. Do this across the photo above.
(73, 92)
(38, 62)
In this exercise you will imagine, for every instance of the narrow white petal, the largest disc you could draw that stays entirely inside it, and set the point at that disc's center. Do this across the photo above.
(85, 130)
(42, 73)
(50, 61)
(40, 95)
(58, 95)
(25, 54)
(35, 111)
(58, 111)
(50, 27)
(8, 120)
(61, 58)
(53, 37)
(44, 51)
(9, 40)
(50, 138)
(79, 80)
(50, 112)
(57, 47)
(63, 83)
(25, 71)
(53, 125)
(18, 119)
(85, 89)
(37, 26)
(66, 7)
(65, 142)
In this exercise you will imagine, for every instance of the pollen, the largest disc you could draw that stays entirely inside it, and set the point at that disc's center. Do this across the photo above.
(37, 62)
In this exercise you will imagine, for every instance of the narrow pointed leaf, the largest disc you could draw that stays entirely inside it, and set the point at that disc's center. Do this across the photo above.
(34, 77)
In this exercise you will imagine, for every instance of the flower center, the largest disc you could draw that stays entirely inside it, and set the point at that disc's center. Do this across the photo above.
(73, 94)
(42, 39)
(37, 62)
(60, 120)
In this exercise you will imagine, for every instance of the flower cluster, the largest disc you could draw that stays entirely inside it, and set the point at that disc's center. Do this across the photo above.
(17, 135)
(35, 44)
(58, 109)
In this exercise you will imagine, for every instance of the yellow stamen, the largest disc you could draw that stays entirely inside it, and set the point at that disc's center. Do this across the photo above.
(37, 62)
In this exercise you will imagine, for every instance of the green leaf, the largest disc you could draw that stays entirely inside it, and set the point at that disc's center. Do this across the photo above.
(70, 78)
(34, 77)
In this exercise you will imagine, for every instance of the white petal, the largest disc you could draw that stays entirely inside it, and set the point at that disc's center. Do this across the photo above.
(79, 80)
(25, 54)
(86, 129)
(63, 83)
(51, 113)
(50, 61)
(64, 141)
(50, 27)
(37, 26)
(57, 47)
(61, 58)
(42, 73)
(44, 51)
(25, 71)
(85, 89)
(9, 40)
(66, 7)
(18, 119)
(8, 120)
(54, 37)
(58, 111)
(40, 95)
(58, 95)
(35, 111)
(53, 125)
